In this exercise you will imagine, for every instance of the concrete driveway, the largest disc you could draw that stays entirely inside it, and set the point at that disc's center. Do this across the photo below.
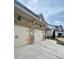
(46, 49)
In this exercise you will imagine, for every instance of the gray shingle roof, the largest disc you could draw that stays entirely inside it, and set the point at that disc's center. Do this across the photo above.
(25, 8)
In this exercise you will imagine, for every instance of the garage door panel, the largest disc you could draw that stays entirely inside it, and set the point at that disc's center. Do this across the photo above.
(21, 35)
(38, 35)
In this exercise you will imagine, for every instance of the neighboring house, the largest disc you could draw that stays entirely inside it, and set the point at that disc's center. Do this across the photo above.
(28, 27)
(59, 31)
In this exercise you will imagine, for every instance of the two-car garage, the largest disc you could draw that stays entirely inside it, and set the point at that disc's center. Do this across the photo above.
(22, 35)
(28, 27)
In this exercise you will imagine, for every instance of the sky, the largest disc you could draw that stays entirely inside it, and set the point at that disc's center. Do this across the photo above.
(52, 10)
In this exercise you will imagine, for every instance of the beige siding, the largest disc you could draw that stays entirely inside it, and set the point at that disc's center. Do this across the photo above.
(21, 35)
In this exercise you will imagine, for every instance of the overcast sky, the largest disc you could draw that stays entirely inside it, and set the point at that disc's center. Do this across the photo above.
(53, 10)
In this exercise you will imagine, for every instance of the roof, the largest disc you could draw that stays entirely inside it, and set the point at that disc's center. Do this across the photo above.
(28, 10)
(42, 18)
(25, 8)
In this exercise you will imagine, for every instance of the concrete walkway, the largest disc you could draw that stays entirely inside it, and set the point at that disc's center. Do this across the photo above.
(43, 50)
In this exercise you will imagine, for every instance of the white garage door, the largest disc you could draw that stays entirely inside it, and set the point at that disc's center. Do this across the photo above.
(38, 35)
(21, 35)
